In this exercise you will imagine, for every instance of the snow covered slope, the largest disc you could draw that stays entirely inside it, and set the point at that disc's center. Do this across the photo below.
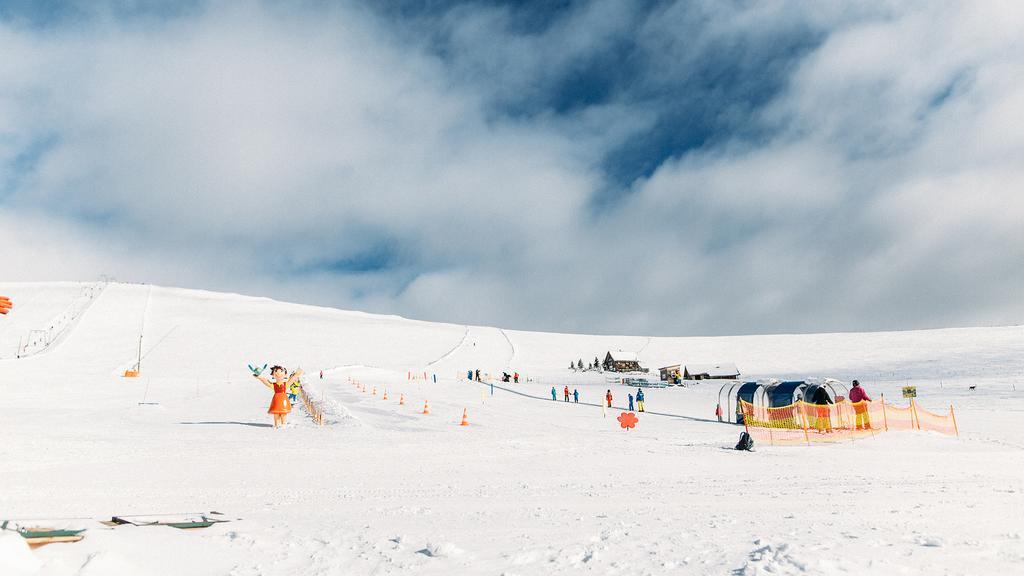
(530, 487)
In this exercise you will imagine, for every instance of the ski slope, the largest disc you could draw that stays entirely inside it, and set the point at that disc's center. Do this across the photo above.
(530, 487)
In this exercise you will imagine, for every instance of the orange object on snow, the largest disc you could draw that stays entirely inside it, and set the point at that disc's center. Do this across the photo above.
(627, 420)
(426, 407)
(279, 404)
(401, 400)
(465, 419)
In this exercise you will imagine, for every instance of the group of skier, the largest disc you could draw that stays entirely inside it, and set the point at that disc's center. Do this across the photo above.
(821, 416)
(505, 376)
(638, 405)
(565, 392)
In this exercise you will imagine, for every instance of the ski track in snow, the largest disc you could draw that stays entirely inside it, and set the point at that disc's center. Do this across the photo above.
(512, 348)
(447, 354)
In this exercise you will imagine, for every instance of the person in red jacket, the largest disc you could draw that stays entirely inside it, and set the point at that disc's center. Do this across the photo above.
(566, 392)
(859, 399)
(608, 397)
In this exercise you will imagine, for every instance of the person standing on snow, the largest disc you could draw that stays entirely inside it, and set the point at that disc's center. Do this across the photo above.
(554, 394)
(608, 398)
(821, 403)
(630, 402)
(859, 398)
(575, 396)
(566, 392)
(640, 399)
(516, 377)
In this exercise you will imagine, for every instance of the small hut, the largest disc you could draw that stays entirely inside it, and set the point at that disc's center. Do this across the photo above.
(671, 373)
(721, 371)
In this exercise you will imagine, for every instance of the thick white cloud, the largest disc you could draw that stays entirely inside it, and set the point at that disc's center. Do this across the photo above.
(318, 154)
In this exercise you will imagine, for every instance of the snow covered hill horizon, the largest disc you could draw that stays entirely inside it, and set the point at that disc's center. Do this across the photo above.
(169, 316)
(531, 486)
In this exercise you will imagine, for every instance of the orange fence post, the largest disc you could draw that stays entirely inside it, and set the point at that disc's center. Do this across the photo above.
(953, 416)
(885, 419)
(803, 421)
(913, 413)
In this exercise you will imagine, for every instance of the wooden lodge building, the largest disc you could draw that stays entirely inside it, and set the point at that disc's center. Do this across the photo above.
(622, 362)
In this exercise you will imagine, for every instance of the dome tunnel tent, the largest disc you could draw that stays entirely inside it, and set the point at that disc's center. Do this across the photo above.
(775, 394)
(793, 391)
(752, 392)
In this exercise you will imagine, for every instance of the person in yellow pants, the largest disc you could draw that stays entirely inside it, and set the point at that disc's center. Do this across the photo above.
(859, 398)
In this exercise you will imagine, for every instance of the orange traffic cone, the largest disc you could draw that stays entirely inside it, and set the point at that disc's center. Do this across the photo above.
(385, 394)
(426, 407)
(401, 400)
(374, 390)
(465, 420)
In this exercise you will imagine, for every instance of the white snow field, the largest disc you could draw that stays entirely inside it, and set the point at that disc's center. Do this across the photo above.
(530, 487)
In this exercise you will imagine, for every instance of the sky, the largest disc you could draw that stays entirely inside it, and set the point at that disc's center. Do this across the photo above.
(615, 167)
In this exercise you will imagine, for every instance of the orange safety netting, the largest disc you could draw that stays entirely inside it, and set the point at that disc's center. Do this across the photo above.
(803, 423)
(944, 423)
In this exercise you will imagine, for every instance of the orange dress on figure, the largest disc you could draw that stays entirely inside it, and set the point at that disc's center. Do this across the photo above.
(279, 404)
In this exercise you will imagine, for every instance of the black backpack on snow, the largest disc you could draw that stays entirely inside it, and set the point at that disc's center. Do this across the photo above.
(745, 443)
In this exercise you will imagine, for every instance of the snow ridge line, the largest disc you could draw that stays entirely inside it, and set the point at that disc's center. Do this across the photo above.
(452, 351)
(613, 407)
(644, 347)
(510, 345)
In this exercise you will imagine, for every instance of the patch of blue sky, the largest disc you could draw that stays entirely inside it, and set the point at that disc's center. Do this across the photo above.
(49, 13)
(525, 16)
(24, 163)
(375, 258)
(956, 85)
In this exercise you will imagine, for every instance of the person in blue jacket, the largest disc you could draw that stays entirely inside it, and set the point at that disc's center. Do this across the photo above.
(554, 393)
(630, 402)
(576, 396)
(640, 399)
